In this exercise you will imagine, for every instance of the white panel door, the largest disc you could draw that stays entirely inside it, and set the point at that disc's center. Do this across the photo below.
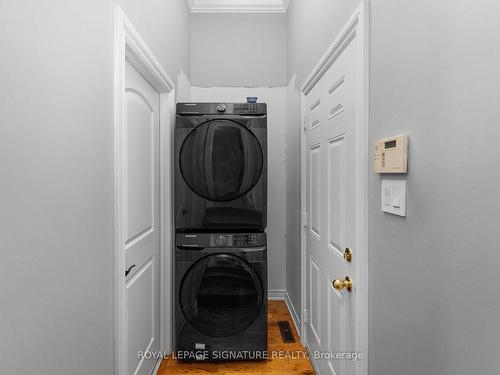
(141, 240)
(331, 208)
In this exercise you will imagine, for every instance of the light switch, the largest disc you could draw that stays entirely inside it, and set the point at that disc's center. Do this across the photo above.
(387, 197)
(394, 196)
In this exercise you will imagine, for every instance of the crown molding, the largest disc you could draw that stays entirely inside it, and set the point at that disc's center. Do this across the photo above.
(234, 6)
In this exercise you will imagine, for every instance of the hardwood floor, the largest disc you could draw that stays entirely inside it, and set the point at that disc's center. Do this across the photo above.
(299, 365)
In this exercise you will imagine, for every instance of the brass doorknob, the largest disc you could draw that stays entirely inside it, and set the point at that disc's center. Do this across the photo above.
(341, 284)
(348, 254)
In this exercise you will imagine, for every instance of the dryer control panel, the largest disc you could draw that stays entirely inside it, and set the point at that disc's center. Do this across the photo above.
(190, 109)
(245, 108)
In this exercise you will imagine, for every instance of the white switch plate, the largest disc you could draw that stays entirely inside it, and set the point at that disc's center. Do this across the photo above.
(394, 197)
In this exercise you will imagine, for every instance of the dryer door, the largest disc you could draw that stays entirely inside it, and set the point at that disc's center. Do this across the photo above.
(221, 295)
(221, 160)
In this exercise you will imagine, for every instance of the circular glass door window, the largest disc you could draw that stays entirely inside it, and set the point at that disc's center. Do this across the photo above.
(221, 295)
(221, 160)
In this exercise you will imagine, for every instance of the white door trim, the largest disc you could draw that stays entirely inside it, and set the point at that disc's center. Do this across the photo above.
(129, 46)
(358, 25)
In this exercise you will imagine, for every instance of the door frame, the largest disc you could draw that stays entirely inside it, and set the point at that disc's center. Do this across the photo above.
(357, 26)
(130, 47)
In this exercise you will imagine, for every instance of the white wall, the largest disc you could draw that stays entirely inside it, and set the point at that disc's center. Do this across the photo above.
(435, 75)
(276, 105)
(56, 173)
(238, 49)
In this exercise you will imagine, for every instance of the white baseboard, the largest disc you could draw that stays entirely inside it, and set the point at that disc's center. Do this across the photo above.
(293, 312)
(282, 295)
(276, 295)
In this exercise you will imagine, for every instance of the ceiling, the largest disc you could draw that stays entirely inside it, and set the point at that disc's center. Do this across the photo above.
(238, 6)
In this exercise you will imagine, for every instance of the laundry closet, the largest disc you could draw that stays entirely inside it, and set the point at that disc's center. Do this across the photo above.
(172, 171)
(229, 165)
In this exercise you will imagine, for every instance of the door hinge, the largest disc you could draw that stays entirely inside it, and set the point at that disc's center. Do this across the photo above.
(306, 316)
(304, 219)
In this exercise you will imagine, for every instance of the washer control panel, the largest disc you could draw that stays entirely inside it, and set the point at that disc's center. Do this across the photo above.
(204, 240)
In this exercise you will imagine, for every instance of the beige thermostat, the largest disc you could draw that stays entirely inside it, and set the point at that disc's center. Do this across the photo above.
(390, 154)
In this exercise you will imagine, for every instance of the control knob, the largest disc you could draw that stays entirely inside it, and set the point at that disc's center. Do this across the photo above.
(221, 240)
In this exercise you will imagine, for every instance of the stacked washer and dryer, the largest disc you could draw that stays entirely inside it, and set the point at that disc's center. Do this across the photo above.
(220, 221)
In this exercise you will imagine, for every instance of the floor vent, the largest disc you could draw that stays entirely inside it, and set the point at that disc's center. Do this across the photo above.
(286, 332)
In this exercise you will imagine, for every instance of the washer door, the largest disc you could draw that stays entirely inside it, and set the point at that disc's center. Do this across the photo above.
(221, 295)
(221, 160)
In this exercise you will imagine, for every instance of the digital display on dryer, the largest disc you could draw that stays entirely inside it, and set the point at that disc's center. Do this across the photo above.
(245, 108)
